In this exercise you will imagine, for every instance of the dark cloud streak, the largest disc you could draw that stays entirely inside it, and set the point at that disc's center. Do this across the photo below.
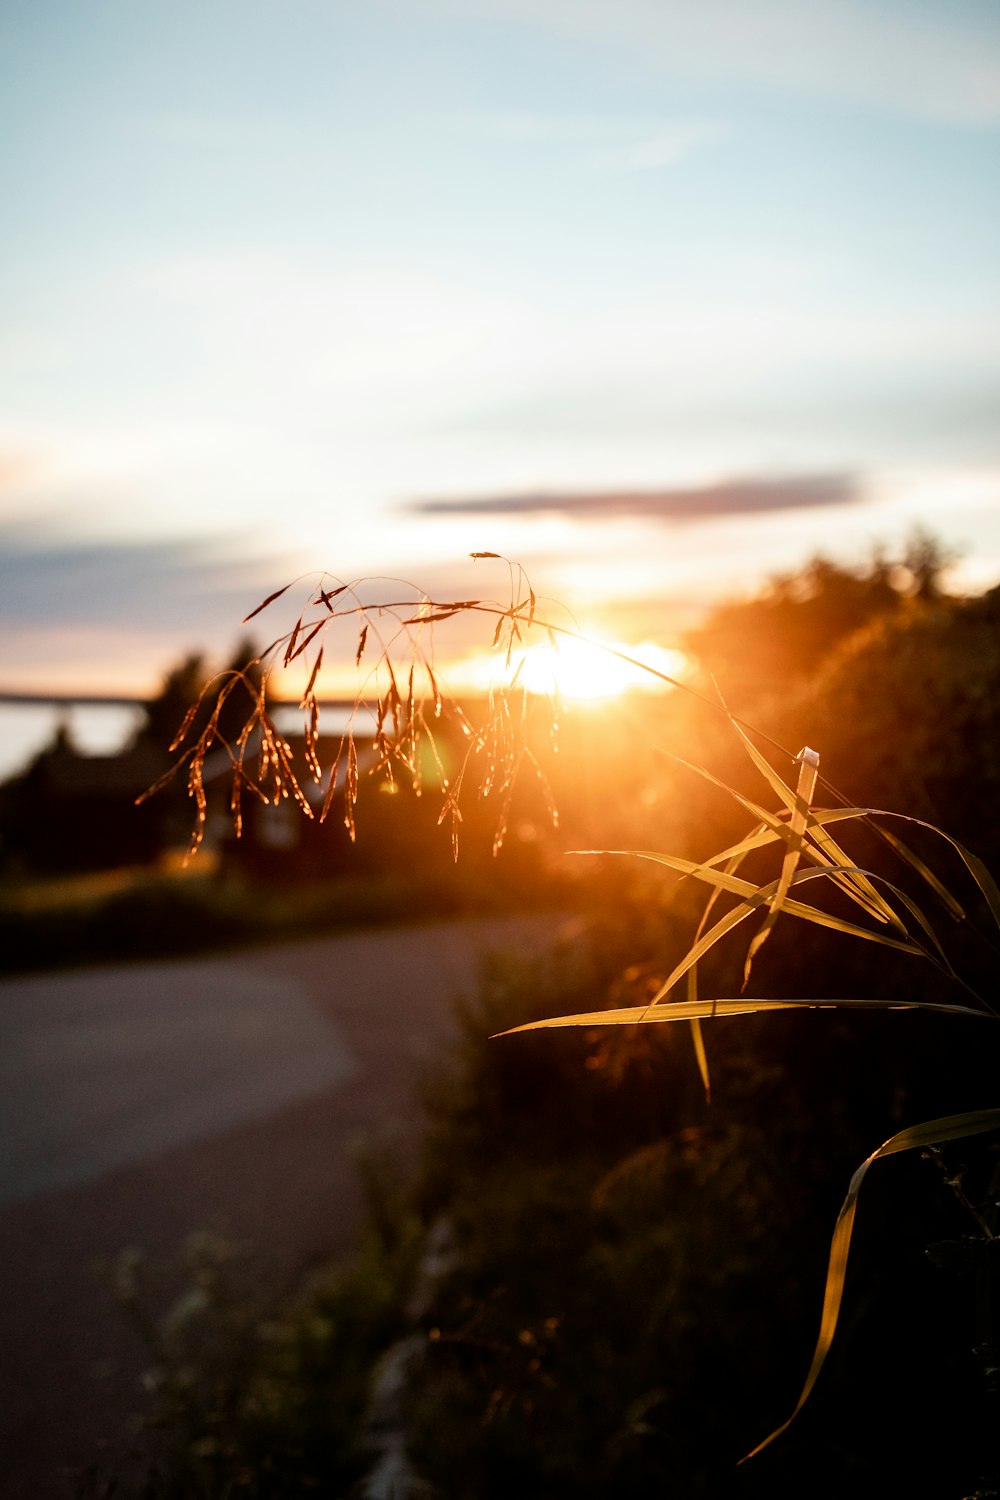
(105, 582)
(730, 497)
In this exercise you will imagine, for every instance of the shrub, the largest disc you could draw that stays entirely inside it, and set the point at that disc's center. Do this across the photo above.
(562, 1179)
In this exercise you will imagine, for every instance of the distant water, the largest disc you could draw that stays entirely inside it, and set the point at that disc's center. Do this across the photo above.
(101, 728)
(27, 728)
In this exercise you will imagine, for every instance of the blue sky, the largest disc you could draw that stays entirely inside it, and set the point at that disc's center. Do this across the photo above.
(319, 285)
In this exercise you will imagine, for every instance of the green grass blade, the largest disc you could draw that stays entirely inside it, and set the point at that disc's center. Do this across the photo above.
(856, 891)
(772, 829)
(808, 770)
(823, 839)
(765, 834)
(697, 1035)
(701, 1057)
(940, 890)
(754, 898)
(873, 900)
(791, 908)
(932, 1133)
(722, 879)
(706, 1010)
(707, 940)
(778, 785)
(697, 1038)
(973, 864)
(754, 808)
(735, 885)
(905, 900)
(760, 836)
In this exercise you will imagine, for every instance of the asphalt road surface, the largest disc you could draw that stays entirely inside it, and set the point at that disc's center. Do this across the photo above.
(140, 1102)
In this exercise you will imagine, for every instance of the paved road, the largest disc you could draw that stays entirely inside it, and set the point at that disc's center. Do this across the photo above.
(100, 1070)
(142, 1101)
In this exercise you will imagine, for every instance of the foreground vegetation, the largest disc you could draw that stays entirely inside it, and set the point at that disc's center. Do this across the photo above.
(625, 1276)
(138, 913)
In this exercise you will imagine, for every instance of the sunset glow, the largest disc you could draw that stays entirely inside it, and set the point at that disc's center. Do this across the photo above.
(581, 670)
(674, 308)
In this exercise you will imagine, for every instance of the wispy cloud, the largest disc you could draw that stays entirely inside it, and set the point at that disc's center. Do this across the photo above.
(18, 466)
(111, 583)
(610, 143)
(740, 496)
(198, 131)
(932, 62)
(115, 614)
(663, 147)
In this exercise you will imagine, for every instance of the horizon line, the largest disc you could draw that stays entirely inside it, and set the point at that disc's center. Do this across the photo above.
(69, 699)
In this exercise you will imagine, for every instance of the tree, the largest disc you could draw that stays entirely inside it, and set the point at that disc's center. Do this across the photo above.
(766, 644)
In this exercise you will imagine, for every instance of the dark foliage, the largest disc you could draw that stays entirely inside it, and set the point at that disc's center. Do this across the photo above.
(635, 1276)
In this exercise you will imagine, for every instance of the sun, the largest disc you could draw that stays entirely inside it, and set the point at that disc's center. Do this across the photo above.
(587, 670)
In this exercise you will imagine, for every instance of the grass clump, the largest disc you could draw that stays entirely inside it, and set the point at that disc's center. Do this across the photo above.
(632, 1264)
(138, 914)
(253, 1396)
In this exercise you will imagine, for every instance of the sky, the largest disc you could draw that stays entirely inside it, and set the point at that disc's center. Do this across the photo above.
(657, 298)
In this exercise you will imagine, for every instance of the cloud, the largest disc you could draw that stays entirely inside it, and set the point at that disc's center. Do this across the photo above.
(652, 150)
(610, 143)
(205, 132)
(40, 577)
(18, 467)
(740, 496)
(931, 62)
(103, 613)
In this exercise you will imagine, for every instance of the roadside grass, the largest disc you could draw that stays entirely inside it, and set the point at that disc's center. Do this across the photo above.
(627, 1281)
(249, 1393)
(138, 913)
(636, 1267)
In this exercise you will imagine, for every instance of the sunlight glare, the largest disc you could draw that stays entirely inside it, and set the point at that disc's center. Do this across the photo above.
(583, 670)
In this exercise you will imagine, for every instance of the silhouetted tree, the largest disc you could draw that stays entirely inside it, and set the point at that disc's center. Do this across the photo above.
(181, 687)
(766, 644)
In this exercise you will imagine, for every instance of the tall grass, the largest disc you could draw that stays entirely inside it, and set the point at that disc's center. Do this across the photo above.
(799, 818)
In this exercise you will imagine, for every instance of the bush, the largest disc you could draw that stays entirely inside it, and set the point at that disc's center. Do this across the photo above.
(631, 1269)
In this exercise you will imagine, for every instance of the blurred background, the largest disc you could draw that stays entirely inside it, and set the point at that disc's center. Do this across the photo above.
(655, 300)
(692, 312)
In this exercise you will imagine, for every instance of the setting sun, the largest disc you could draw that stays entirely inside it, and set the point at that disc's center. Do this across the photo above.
(581, 670)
